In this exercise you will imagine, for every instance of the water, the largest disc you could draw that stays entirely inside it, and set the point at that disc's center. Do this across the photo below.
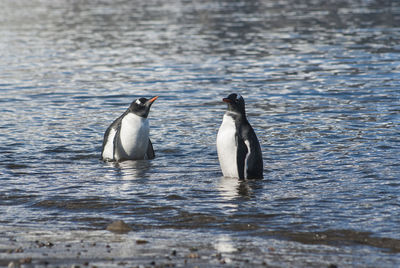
(321, 82)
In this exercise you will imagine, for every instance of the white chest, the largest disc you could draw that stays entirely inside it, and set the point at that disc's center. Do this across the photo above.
(227, 147)
(134, 138)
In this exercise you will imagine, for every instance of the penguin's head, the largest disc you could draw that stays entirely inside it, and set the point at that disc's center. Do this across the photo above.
(235, 103)
(141, 106)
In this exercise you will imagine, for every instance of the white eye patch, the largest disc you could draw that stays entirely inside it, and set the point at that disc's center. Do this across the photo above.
(138, 102)
(238, 96)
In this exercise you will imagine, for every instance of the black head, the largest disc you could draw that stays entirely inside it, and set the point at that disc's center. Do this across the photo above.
(235, 103)
(141, 107)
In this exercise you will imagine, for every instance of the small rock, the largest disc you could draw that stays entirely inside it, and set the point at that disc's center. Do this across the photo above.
(16, 250)
(44, 244)
(119, 227)
(193, 256)
(13, 264)
(141, 242)
(25, 260)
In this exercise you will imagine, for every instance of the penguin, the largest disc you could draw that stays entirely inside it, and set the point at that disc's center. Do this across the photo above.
(127, 138)
(239, 151)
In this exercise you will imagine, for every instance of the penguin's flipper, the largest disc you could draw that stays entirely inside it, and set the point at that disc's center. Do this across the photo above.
(108, 150)
(117, 141)
(254, 161)
(150, 151)
(241, 154)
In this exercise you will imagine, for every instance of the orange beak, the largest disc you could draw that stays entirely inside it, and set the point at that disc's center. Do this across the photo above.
(153, 99)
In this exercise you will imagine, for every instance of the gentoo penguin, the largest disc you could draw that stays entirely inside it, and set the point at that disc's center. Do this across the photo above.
(239, 152)
(127, 138)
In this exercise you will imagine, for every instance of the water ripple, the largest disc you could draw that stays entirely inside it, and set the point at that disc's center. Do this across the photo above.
(321, 87)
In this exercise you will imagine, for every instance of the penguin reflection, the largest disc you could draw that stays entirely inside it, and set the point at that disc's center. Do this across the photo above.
(230, 189)
(239, 152)
(133, 170)
(127, 138)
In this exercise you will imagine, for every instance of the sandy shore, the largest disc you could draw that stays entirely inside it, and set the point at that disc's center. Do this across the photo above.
(95, 249)
(24, 247)
(106, 249)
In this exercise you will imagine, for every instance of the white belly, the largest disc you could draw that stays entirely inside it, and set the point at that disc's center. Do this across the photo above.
(134, 138)
(227, 147)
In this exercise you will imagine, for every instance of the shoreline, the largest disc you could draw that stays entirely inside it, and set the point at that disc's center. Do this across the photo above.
(25, 247)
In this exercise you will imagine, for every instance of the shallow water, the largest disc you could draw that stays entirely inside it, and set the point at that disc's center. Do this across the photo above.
(321, 82)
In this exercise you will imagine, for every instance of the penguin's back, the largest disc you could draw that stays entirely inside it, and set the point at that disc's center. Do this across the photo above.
(253, 163)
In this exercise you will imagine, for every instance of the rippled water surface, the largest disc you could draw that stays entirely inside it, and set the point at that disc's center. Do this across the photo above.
(321, 80)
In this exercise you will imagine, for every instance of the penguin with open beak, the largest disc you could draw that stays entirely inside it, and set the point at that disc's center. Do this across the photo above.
(239, 151)
(127, 138)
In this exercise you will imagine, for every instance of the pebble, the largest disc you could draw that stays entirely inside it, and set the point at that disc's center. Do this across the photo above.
(119, 227)
(17, 264)
(141, 242)
(193, 256)
(17, 250)
(13, 264)
(25, 260)
(44, 244)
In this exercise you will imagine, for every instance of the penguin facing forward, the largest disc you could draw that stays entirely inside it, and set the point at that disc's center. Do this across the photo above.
(127, 138)
(239, 152)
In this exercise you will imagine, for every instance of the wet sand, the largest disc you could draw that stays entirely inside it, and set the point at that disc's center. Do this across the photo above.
(172, 248)
(105, 249)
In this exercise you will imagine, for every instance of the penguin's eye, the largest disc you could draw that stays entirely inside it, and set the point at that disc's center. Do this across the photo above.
(141, 102)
